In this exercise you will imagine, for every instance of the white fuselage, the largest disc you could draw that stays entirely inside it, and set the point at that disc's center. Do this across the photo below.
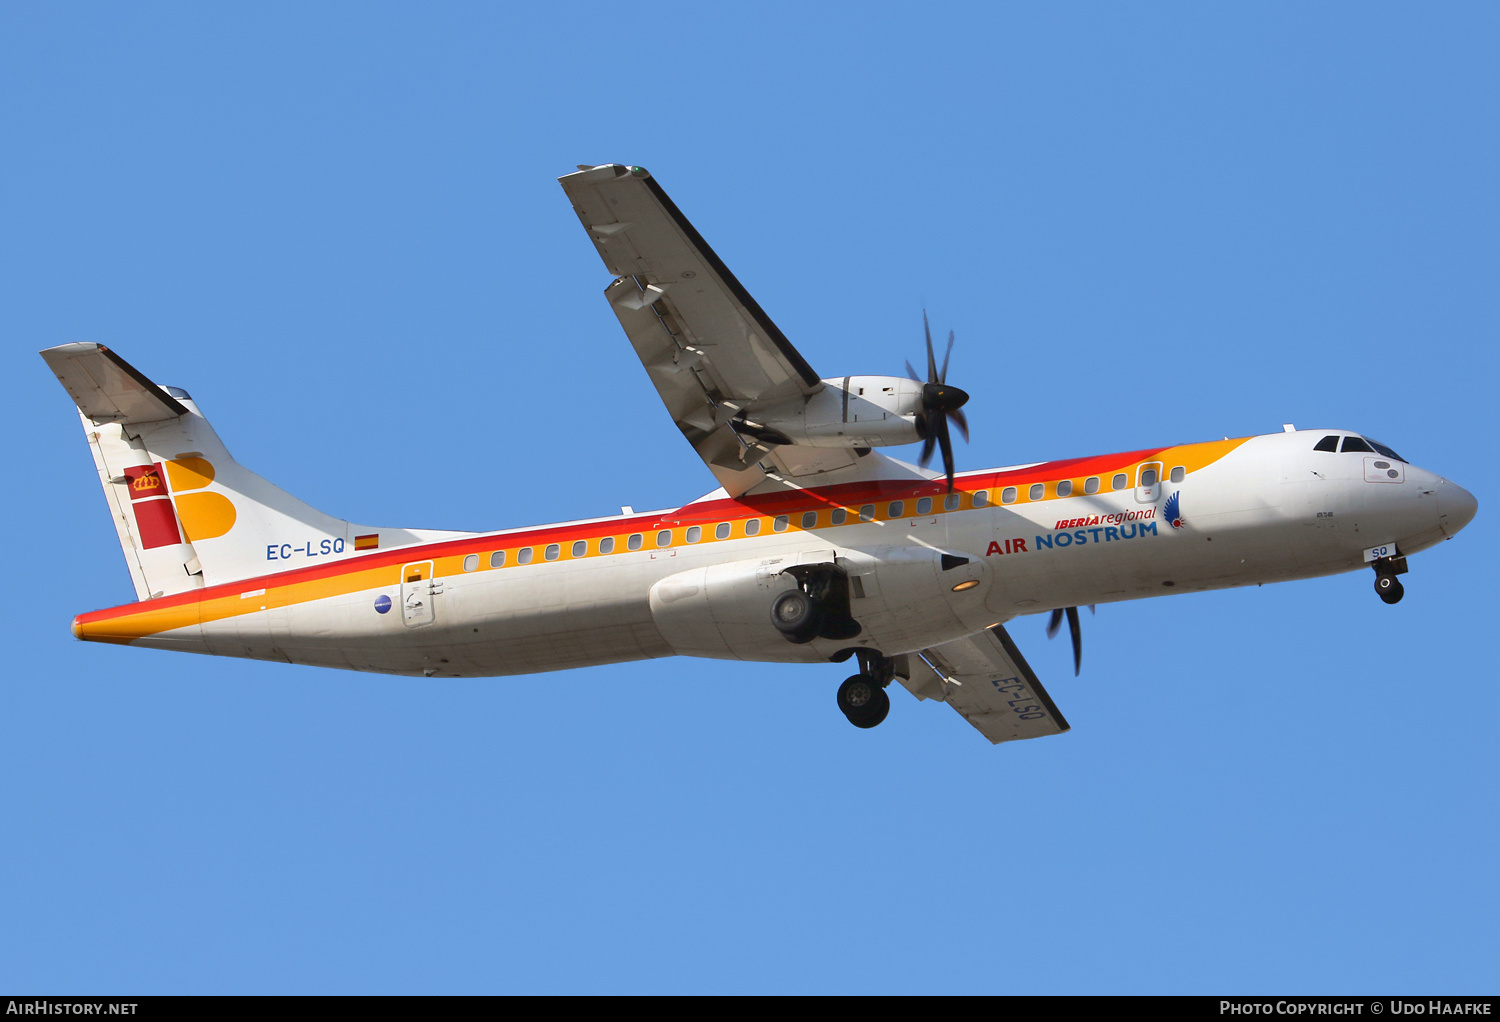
(1265, 509)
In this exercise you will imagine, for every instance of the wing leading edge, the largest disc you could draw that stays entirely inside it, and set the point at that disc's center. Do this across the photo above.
(987, 680)
(713, 354)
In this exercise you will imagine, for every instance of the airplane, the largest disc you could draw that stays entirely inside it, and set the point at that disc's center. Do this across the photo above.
(814, 548)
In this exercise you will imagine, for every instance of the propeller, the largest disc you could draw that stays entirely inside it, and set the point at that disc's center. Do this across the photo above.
(940, 403)
(1074, 630)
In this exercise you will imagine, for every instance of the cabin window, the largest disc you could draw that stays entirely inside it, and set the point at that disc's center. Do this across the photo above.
(694, 533)
(867, 513)
(781, 522)
(1091, 484)
(809, 519)
(1037, 489)
(1065, 488)
(1148, 477)
(981, 498)
(1008, 495)
(471, 563)
(1178, 474)
(553, 551)
(721, 531)
(752, 527)
(580, 548)
(607, 545)
(924, 506)
(497, 559)
(950, 502)
(1328, 443)
(634, 542)
(664, 537)
(523, 555)
(1120, 481)
(1354, 443)
(896, 510)
(839, 516)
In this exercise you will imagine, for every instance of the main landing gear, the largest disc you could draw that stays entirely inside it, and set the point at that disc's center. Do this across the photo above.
(862, 697)
(1387, 586)
(819, 609)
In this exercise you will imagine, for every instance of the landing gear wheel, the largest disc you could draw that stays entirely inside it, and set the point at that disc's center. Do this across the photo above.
(1389, 587)
(863, 701)
(796, 616)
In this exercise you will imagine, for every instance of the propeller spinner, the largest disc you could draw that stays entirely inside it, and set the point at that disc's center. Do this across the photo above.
(940, 403)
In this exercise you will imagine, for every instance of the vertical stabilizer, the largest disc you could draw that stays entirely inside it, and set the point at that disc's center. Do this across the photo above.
(187, 514)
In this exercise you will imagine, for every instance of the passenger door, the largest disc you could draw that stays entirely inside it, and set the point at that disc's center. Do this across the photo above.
(418, 587)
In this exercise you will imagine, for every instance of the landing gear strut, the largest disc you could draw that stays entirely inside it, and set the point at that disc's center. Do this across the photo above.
(862, 698)
(1387, 586)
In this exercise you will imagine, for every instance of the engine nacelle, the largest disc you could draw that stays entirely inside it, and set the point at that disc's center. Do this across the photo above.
(902, 598)
(723, 611)
(850, 411)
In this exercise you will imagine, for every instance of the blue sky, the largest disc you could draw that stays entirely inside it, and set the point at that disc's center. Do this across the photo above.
(338, 226)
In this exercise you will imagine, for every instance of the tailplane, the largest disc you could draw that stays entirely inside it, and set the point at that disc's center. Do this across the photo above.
(187, 514)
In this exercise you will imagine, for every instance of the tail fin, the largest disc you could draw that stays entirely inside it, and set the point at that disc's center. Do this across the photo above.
(188, 515)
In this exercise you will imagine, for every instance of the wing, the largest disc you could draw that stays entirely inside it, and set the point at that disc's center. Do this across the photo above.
(712, 352)
(985, 678)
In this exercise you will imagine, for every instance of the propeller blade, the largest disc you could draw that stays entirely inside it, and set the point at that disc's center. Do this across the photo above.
(957, 418)
(1077, 634)
(1054, 623)
(932, 376)
(940, 403)
(947, 445)
(927, 444)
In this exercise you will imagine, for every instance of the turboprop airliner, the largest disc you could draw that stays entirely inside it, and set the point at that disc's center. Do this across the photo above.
(814, 548)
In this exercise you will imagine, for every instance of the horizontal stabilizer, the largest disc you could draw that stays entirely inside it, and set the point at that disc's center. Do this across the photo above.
(107, 388)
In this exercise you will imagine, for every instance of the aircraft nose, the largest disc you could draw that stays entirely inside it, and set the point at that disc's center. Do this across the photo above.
(1456, 506)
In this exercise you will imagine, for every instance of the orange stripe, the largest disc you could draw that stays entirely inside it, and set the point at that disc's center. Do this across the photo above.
(375, 570)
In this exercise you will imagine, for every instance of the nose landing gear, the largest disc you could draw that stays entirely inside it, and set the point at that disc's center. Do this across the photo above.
(1387, 586)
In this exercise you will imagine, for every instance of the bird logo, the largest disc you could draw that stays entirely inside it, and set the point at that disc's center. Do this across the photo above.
(1173, 510)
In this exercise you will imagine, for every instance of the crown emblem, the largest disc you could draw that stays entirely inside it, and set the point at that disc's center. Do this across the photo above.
(149, 481)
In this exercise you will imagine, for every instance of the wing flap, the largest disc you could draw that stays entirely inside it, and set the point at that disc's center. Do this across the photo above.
(986, 679)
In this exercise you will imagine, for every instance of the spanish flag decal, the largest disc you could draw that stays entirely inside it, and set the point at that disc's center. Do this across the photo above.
(369, 542)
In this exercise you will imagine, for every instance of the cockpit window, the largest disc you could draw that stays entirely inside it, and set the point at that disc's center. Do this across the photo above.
(1328, 443)
(1381, 448)
(1354, 443)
